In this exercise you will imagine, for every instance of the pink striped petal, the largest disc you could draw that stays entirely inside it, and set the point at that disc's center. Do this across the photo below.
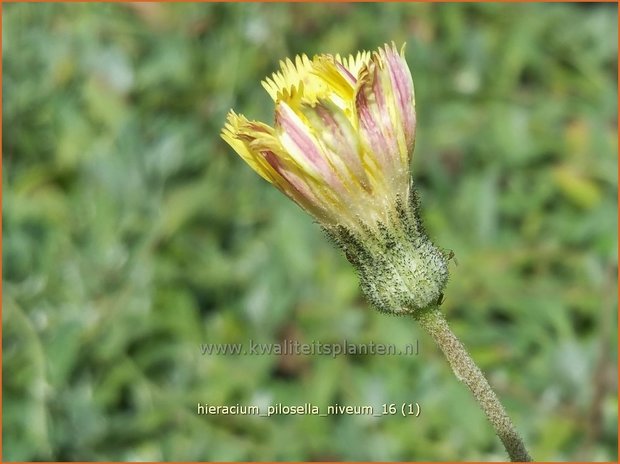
(385, 107)
(305, 150)
(402, 85)
(339, 141)
(373, 117)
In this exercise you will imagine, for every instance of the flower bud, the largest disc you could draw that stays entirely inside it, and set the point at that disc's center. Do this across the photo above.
(340, 148)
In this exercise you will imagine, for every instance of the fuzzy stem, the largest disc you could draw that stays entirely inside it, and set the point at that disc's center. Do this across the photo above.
(468, 372)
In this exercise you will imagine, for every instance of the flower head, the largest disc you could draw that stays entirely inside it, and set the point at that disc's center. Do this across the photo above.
(340, 148)
(343, 135)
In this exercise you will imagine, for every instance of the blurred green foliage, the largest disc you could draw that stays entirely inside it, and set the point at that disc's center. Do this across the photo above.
(132, 234)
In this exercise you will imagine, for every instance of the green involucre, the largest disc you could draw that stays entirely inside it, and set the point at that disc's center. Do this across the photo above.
(401, 271)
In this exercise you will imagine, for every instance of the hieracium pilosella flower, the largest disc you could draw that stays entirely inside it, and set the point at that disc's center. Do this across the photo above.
(340, 148)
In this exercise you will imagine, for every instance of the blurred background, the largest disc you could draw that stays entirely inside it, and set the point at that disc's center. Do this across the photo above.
(133, 233)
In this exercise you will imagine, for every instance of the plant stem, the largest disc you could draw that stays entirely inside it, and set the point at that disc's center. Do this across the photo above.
(468, 372)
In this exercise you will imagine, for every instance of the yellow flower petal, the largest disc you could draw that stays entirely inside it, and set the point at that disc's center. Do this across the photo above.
(292, 76)
(343, 135)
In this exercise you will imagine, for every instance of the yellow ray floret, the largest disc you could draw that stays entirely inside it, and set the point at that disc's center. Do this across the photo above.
(323, 77)
(352, 63)
(245, 137)
(342, 138)
(293, 75)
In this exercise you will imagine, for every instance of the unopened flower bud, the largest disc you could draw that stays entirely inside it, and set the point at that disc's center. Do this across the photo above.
(340, 148)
